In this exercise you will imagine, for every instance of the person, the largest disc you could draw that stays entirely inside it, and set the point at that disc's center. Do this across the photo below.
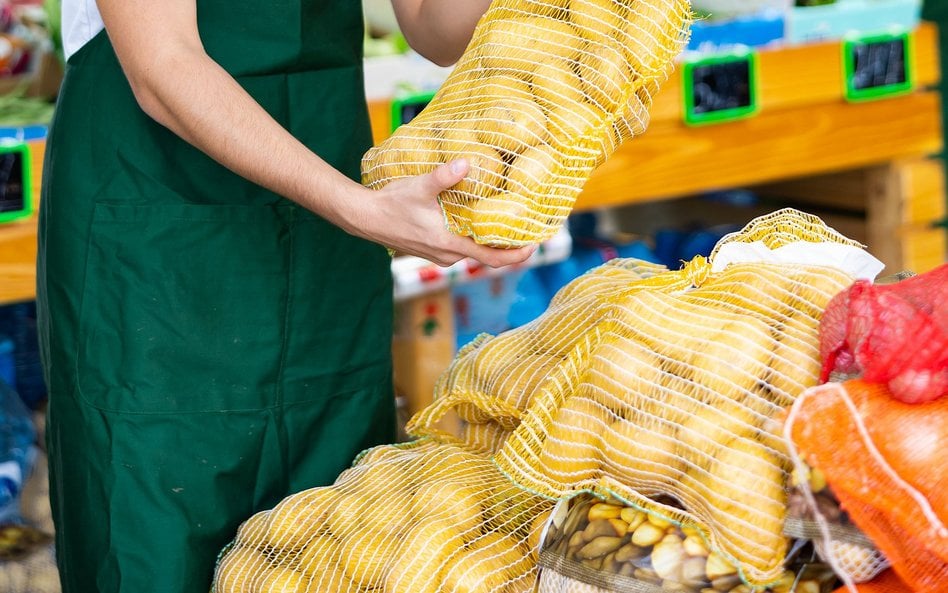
(214, 290)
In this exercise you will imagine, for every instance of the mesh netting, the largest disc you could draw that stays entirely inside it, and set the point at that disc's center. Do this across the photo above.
(422, 518)
(597, 546)
(885, 461)
(544, 93)
(660, 384)
(494, 379)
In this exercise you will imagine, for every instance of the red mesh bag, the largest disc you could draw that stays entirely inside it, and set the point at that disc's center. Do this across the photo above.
(895, 334)
(887, 463)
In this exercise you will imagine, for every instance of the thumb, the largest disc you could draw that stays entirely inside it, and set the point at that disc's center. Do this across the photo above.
(446, 176)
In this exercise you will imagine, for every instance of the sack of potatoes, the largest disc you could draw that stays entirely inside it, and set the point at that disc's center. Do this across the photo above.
(544, 93)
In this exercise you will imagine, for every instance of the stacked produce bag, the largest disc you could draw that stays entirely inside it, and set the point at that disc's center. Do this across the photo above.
(544, 93)
(879, 438)
(647, 386)
(658, 392)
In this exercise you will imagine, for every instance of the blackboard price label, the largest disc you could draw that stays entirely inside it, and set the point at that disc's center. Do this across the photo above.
(720, 88)
(877, 66)
(16, 197)
(406, 107)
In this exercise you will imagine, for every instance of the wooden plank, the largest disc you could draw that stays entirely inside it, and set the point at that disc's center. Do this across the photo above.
(924, 249)
(845, 190)
(924, 186)
(18, 261)
(884, 206)
(672, 160)
(18, 243)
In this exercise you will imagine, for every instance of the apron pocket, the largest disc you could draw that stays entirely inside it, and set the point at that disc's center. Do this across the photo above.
(183, 308)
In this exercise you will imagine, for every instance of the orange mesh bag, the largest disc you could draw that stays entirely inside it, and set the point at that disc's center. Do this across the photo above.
(887, 463)
(887, 582)
(544, 93)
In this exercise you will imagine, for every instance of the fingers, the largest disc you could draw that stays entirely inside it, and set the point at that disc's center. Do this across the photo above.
(498, 258)
(445, 176)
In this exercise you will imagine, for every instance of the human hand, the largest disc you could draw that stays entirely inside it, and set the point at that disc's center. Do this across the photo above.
(405, 216)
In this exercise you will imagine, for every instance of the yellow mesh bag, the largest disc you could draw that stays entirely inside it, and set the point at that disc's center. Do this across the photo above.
(495, 379)
(423, 518)
(544, 93)
(666, 384)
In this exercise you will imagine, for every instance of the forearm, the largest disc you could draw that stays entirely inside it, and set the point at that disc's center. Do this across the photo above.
(206, 107)
(182, 88)
(439, 29)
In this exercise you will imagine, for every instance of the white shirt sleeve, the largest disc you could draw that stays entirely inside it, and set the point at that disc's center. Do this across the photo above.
(81, 22)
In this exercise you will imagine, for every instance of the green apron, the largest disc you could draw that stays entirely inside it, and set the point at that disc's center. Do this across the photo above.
(209, 347)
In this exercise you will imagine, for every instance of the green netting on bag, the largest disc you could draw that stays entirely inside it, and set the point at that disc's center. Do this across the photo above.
(544, 93)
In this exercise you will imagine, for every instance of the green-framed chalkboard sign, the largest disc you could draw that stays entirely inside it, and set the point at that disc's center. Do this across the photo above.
(720, 88)
(405, 107)
(16, 187)
(878, 66)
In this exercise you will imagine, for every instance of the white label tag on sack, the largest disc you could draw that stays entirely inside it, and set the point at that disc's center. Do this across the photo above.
(855, 261)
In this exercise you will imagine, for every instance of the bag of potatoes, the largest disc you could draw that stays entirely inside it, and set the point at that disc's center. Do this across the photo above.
(544, 93)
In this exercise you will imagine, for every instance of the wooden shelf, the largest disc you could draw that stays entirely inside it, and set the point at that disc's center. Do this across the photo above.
(672, 160)
(18, 243)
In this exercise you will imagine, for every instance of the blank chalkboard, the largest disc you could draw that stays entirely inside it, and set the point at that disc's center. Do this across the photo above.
(14, 182)
(407, 107)
(877, 66)
(720, 88)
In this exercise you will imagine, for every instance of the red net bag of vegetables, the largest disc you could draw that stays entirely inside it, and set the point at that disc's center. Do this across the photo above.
(895, 334)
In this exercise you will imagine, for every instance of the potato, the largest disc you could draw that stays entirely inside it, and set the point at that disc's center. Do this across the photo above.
(532, 172)
(641, 453)
(319, 554)
(450, 501)
(367, 556)
(253, 531)
(512, 124)
(504, 219)
(652, 34)
(299, 517)
(496, 88)
(331, 579)
(418, 564)
(474, 571)
(416, 150)
(605, 75)
(240, 570)
(520, 43)
(485, 177)
(459, 138)
(345, 515)
(571, 451)
(555, 82)
(281, 580)
(597, 20)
